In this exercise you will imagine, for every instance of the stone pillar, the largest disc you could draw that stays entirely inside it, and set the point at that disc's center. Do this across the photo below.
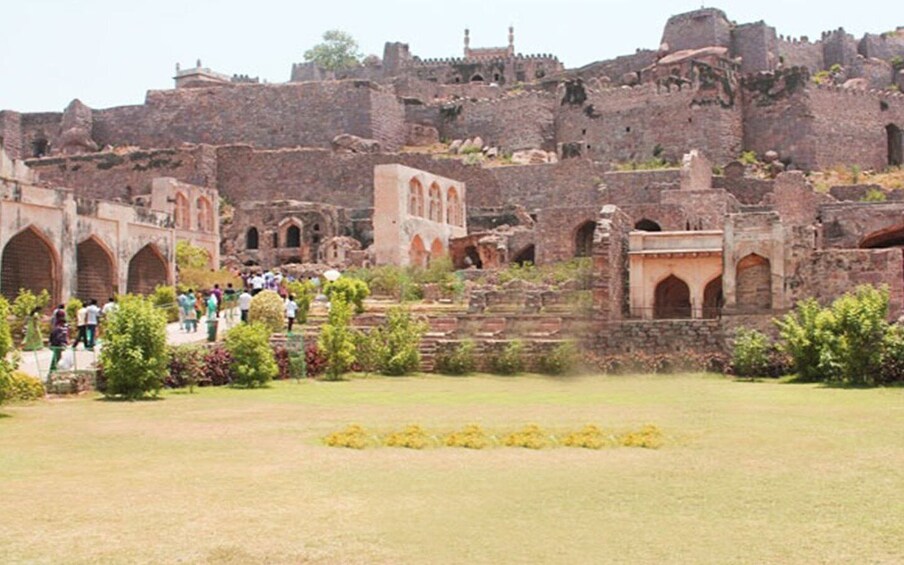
(610, 263)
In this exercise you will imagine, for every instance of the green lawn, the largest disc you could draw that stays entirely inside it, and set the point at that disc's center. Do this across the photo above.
(751, 473)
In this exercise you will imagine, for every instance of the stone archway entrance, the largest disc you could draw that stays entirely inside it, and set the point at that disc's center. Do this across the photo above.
(672, 299)
(417, 252)
(583, 239)
(29, 261)
(147, 270)
(436, 249)
(96, 274)
(895, 145)
(526, 255)
(754, 283)
(647, 225)
(712, 298)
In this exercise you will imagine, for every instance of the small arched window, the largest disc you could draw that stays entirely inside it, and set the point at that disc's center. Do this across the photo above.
(205, 214)
(181, 212)
(252, 239)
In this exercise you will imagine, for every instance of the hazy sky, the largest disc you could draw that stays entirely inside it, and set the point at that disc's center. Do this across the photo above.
(109, 52)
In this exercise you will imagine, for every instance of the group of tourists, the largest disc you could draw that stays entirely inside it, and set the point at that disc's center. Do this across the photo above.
(195, 305)
(87, 323)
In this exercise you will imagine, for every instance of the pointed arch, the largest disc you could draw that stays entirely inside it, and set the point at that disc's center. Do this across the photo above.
(182, 212)
(147, 270)
(672, 299)
(712, 298)
(437, 249)
(583, 239)
(753, 283)
(205, 214)
(453, 208)
(252, 239)
(415, 198)
(96, 269)
(436, 203)
(30, 261)
(417, 252)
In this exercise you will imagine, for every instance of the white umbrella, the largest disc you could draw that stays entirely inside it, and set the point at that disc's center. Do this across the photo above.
(332, 275)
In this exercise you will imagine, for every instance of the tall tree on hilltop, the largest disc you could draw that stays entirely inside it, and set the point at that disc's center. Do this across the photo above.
(339, 51)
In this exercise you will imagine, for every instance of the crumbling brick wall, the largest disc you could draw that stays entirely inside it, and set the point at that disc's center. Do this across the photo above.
(523, 121)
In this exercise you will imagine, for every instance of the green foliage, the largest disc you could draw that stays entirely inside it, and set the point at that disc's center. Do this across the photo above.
(892, 358)
(651, 164)
(579, 269)
(855, 173)
(19, 386)
(835, 69)
(339, 51)
(190, 256)
(186, 366)
(134, 355)
(72, 308)
(750, 354)
(269, 310)
(749, 158)
(368, 346)
(460, 361)
(26, 302)
(396, 343)
(470, 149)
(897, 62)
(352, 291)
(561, 360)
(822, 77)
(508, 361)
(6, 338)
(253, 362)
(874, 195)
(337, 340)
(304, 292)
(842, 343)
(164, 298)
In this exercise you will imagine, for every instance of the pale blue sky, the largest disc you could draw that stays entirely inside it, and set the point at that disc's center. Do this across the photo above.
(109, 52)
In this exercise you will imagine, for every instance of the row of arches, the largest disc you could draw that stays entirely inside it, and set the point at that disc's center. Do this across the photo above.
(30, 261)
(289, 236)
(753, 288)
(182, 213)
(436, 210)
(419, 255)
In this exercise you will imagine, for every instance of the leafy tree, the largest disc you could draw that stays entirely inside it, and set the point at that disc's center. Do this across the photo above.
(337, 340)
(190, 256)
(269, 310)
(352, 291)
(253, 362)
(339, 51)
(6, 344)
(397, 343)
(134, 356)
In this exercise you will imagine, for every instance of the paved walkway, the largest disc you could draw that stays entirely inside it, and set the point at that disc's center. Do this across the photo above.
(37, 363)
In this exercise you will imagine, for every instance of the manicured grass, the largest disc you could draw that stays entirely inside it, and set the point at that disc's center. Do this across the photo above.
(751, 473)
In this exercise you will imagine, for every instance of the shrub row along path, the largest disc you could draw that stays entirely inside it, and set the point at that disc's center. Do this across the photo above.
(37, 363)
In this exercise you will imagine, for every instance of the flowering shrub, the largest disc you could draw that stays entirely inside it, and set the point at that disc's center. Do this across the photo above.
(315, 360)
(186, 366)
(217, 367)
(22, 386)
(269, 310)
(649, 437)
(412, 437)
(134, 355)
(589, 437)
(283, 363)
(471, 436)
(531, 437)
(354, 437)
(352, 291)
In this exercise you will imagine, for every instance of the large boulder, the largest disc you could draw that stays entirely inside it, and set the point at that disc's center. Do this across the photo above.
(348, 143)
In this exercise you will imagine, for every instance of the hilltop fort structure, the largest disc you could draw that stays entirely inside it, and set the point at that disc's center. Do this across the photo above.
(552, 160)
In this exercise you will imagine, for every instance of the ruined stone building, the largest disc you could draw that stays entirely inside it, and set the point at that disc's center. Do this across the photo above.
(302, 165)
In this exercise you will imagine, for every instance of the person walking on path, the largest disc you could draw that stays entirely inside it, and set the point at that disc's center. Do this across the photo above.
(244, 305)
(291, 309)
(81, 320)
(59, 339)
(92, 313)
(218, 294)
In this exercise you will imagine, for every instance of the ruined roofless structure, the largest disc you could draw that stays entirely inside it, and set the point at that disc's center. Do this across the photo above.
(298, 162)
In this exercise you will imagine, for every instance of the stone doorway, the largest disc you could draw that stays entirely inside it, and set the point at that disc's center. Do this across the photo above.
(895, 145)
(29, 261)
(583, 239)
(147, 270)
(672, 299)
(96, 275)
(712, 298)
(754, 283)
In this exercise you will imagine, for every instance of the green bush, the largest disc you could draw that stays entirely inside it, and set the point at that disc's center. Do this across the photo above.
(6, 344)
(23, 387)
(304, 292)
(460, 361)
(164, 298)
(509, 360)
(336, 340)
(398, 339)
(352, 291)
(269, 310)
(190, 256)
(367, 350)
(750, 353)
(134, 356)
(842, 343)
(561, 360)
(892, 359)
(26, 302)
(186, 366)
(253, 362)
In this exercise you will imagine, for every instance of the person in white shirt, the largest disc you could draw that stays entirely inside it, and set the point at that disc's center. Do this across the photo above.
(291, 309)
(81, 319)
(244, 305)
(257, 284)
(92, 313)
(109, 307)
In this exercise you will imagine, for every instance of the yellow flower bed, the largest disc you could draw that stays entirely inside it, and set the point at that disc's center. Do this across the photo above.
(471, 436)
(531, 437)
